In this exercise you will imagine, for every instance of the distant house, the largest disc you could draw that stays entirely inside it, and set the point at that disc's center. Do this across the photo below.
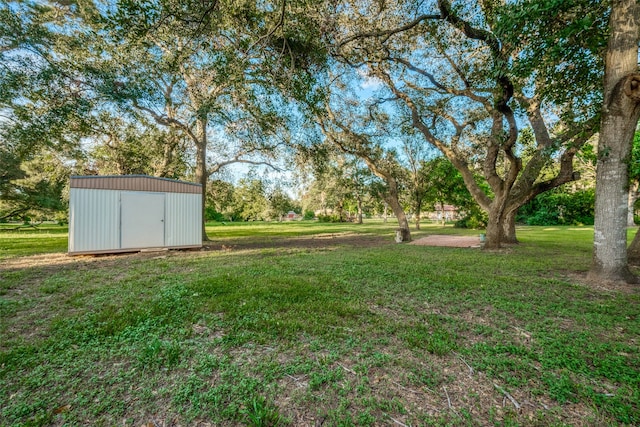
(448, 212)
(291, 216)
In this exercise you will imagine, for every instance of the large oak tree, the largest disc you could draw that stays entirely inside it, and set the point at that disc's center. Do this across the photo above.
(453, 78)
(221, 73)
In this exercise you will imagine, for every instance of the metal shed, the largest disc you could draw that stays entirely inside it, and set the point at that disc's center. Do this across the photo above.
(109, 214)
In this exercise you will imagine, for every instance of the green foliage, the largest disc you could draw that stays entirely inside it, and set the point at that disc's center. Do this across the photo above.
(219, 205)
(260, 413)
(280, 204)
(559, 207)
(329, 218)
(136, 79)
(444, 185)
(341, 185)
(634, 163)
(246, 201)
(560, 42)
(36, 189)
(211, 214)
(249, 201)
(474, 219)
(137, 148)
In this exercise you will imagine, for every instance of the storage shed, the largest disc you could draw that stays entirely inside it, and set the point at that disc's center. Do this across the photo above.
(110, 214)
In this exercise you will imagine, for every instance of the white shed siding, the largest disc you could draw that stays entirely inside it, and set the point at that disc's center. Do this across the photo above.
(183, 219)
(128, 213)
(99, 231)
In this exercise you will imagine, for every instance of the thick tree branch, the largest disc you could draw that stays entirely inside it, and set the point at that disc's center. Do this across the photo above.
(218, 166)
(388, 33)
(494, 45)
(483, 200)
(166, 121)
(469, 30)
(15, 212)
(466, 92)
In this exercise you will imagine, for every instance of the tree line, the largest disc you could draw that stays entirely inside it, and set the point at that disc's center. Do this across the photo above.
(509, 93)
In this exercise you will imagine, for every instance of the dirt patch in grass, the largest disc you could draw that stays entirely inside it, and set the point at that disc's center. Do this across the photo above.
(603, 286)
(316, 241)
(448, 241)
(52, 262)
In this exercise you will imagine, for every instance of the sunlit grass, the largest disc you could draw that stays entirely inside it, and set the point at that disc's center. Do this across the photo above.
(350, 335)
(25, 241)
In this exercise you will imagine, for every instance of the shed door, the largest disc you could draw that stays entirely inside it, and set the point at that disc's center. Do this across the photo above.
(141, 219)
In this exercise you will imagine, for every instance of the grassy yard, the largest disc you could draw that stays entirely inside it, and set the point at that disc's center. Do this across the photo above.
(316, 324)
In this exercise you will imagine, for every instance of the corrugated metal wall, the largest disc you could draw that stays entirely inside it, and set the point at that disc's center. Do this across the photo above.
(95, 223)
(183, 219)
(94, 220)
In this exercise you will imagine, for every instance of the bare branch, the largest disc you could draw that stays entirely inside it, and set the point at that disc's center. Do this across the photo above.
(457, 69)
(238, 158)
(218, 166)
(491, 41)
(467, 92)
(278, 24)
(389, 33)
(166, 121)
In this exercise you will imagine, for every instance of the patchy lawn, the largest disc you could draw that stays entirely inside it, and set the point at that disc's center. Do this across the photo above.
(314, 324)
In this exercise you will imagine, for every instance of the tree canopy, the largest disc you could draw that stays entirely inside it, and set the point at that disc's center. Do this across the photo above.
(508, 92)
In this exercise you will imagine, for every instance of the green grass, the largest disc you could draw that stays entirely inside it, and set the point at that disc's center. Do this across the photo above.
(16, 240)
(265, 332)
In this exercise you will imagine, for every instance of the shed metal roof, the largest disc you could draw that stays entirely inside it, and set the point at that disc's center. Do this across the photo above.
(135, 183)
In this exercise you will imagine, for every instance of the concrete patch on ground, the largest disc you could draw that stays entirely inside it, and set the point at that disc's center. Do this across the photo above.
(449, 241)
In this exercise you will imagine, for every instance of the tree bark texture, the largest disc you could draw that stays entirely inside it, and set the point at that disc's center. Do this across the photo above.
(509, 228)
(494, 229)
(620, 112)
(201, 166)
(633, 196)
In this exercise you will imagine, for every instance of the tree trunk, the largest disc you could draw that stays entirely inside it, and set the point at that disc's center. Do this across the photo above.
(418, 212)
(201, 167)
(495, 229)
(392, 199)
(340, 210)
(633, 196)
(509, 228)
(633, 253)
(359, 210)
(403, 234)
(384, 212)
(166, 169)
(619, 119)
